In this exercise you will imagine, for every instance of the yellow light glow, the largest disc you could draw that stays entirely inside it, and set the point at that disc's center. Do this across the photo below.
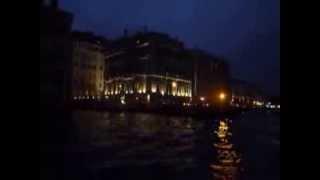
(140, 91)
(174, 84)
(154, 89)
(222, 96)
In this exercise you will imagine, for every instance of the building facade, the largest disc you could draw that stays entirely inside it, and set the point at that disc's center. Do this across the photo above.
(147, 68)
(88, 66)
(246, 95)
(210, 78)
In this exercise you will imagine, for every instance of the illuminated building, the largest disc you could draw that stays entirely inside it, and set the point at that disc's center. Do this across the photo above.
(88, 65)
(246, 95)
(151, 66)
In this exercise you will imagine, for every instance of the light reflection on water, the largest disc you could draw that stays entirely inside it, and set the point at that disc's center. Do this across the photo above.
(227, 161)
(181, 147)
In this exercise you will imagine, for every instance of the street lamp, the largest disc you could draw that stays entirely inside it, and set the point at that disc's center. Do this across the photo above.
(222, 96)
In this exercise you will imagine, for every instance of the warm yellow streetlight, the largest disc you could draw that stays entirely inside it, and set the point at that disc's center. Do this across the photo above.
(222, 96)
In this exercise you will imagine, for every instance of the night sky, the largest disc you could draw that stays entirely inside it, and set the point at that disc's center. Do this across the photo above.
(246, 32)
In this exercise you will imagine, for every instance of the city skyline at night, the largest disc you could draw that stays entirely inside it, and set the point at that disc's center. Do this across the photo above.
(246, 33)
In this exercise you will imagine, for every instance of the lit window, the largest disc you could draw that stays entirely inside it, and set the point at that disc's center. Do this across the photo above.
(148, 97)
(153, 88)
(174, 84)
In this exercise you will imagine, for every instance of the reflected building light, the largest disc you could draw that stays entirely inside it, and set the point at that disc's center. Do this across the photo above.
(162, 92)
(140, 91)
(126, 92)
(202, 99)
(106, 97)
(131, 91)
(278, 106)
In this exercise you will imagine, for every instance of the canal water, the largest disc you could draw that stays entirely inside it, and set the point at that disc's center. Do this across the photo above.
(121, 146)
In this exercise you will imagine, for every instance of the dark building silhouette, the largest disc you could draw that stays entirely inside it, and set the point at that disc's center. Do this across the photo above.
(245, 94)
(55, 53)
(88, 65)
(210, 77)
